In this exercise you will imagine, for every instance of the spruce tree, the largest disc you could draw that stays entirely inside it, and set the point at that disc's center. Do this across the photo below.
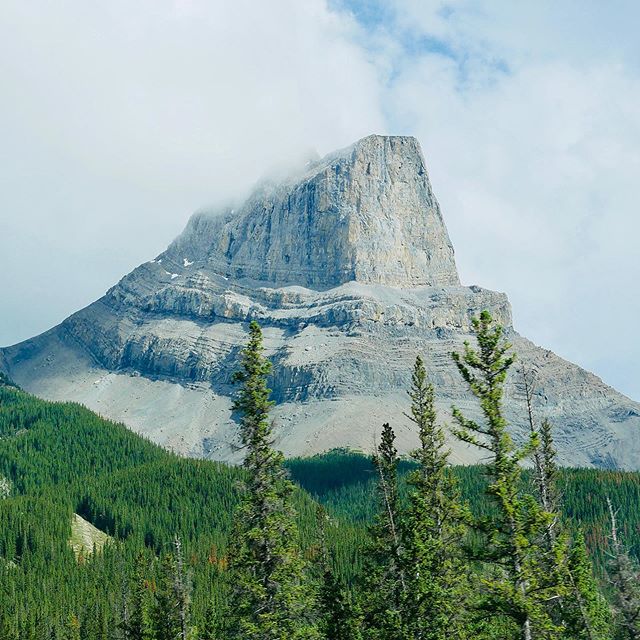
(433, 529)
(384, 586)
(136, 621)
(585, 612)
(167, 613)
(272, 599)
(625, 579)
(518, 586)
(578, 609)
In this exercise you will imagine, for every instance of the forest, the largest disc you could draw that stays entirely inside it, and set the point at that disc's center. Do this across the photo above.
(340, 546)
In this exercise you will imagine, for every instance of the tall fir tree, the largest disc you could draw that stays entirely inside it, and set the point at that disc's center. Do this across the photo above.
(518, 586)
(170, 616)
(136, 609)
(433, 529)
(578, 609)
(585, 612)
(384, 587)
(625, 580)
(272, 599)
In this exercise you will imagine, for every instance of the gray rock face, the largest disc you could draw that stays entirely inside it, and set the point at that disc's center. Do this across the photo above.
(349, 269)
(366, 213)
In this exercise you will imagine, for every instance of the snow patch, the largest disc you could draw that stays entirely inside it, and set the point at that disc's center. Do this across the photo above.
(174, 275)
(186, 262)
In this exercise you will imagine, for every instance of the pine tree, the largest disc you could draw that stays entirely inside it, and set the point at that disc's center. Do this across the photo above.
(384, 586)
(433, 529)
(518, 586)
(625, 580)
(273, 600)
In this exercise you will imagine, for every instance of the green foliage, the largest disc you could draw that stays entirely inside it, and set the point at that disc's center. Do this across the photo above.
(433, 529)
(517, 585)
(272, 598)
(6, 381)
(625, 579)
(342, 617)
(170, 614)
(585, 612)
(61, 459)
(384, 585)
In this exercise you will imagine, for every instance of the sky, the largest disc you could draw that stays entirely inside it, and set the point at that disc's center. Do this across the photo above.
(120, 119)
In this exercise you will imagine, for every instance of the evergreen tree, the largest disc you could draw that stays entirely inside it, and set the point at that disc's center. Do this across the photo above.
(273, 600)
(433, 529)
(518, 586)
(384, 580)
(579, 610)
(585, 612)
(136, 622)
(342, 617)
(165, 614)
(625, 580)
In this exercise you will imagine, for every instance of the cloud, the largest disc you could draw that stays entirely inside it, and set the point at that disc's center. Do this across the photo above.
(532, 136)
(122, 118)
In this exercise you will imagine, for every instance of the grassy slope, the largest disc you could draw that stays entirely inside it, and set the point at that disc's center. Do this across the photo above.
(85, 538)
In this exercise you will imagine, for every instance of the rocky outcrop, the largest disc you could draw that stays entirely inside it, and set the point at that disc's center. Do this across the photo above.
(350, 271)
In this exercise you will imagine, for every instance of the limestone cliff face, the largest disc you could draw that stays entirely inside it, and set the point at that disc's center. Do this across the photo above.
(349, 268)
(366, 213)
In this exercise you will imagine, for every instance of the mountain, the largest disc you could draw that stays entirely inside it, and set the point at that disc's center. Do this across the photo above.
(348, 267)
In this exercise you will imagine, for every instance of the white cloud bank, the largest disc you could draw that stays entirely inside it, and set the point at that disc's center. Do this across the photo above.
(118, 120)
(528, 114)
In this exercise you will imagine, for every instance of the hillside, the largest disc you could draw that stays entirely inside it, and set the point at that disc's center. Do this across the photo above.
(62, 459)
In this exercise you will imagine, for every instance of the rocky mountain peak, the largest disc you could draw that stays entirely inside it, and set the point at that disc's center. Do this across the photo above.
(366, 213)
(348, 267)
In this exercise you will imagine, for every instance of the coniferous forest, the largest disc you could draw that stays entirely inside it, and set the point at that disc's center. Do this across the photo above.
(341, 546)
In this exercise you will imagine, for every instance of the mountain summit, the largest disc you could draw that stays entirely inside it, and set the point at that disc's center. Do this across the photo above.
(365, 214)
(349, 269)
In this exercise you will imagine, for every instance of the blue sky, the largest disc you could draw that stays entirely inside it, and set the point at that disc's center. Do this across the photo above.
(123, 118)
